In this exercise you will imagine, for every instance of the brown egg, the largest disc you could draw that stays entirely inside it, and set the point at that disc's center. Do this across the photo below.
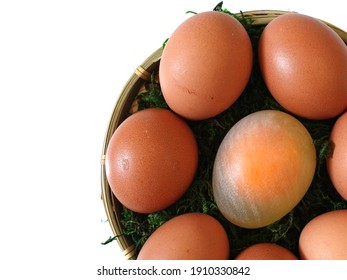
(205, 65)
(337, 162)
(266, 251)
(151, 160)
(263, 168)
(192, 236)
(304, 65)
(325, 237)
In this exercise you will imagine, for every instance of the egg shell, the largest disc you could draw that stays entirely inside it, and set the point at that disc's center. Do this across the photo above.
(263, 168)
(266, 251)
(151, 160)
(325, 237)
(191, 236)
(205, 65)
(304, 65)
(337, 162)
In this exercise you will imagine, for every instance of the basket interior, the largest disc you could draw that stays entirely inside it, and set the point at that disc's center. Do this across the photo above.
(142, 73)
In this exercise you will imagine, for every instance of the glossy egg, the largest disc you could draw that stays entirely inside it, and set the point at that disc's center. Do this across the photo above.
(325, 237)
(151, 160)
(266, 251)
(205, 65)
(263, 168)
(337, 162)
(304, 65)
(191, 236)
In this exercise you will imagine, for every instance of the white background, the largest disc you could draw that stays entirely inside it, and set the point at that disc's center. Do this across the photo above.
(62, 67)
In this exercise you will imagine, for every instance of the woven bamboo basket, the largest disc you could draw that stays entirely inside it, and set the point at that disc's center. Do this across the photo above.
(142, 73)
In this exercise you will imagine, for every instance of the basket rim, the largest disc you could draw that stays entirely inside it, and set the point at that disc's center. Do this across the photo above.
(141, 74)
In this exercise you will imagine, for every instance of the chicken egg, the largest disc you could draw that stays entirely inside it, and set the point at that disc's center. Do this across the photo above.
(190, 236)
(325, 237)
(304, 65)
(205, 65)
(151, 160)
(266, 251)
(263, 168)
(337, 162)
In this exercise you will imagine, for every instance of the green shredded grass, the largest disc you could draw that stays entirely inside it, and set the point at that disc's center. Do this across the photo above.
(321, 196)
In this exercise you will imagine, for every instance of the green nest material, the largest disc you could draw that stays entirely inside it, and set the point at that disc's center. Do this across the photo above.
(321, 196)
